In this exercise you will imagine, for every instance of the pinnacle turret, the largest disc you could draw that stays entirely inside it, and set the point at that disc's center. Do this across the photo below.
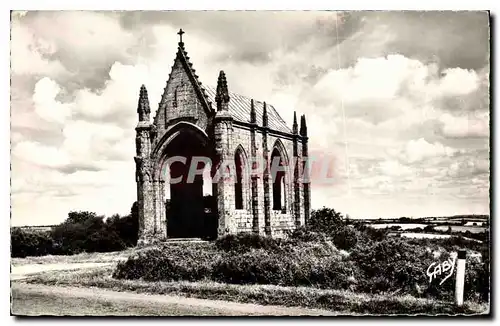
(143, 108)
(303, 126)
(253, 115)
(295, 126)
(222, 93)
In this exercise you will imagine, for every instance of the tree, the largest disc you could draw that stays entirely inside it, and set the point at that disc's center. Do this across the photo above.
(429, 228)
(325, 220)
(80, 217)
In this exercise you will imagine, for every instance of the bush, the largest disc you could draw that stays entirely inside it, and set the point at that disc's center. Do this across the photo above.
(30, 243)
(345, 237)
(304, 234)
(429, 228)
(256, 266)
(310, 263)
(246, 241)
(330, 223)
(325, 220)
(400, 265)
(392, 265)
(81, 232)
(170, 263)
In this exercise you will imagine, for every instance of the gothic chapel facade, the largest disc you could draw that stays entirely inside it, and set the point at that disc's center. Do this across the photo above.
(200, 121)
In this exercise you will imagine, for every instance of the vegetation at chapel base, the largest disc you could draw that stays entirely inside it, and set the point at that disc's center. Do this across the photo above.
(328, 254)
(80, 232)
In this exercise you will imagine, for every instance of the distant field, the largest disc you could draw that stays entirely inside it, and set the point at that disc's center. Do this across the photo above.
(403, 226)
(460, 228)
(424, 235)
(455, 228)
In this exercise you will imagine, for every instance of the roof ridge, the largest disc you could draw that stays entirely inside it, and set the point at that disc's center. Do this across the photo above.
(182, 53)
(272, 112)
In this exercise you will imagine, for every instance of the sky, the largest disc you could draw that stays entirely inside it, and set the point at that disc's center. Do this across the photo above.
(398, 102)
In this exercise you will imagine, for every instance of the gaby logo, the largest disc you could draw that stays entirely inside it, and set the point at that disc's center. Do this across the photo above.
(436, 269)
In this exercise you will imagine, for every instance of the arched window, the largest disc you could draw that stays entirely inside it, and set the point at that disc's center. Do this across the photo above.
(174, 102)
(279, 193)
(238, 186)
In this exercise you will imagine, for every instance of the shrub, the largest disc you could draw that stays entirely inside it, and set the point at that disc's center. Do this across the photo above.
(325, 220)
(391, 265)
(80, 232)
(400, 265)
(428, 228)
(302, 267)
(303, 234)
(345, 237)
(318, 264)
(169, 263)
(86, 232)
(245, 241)
(30, 243)
(256, 266)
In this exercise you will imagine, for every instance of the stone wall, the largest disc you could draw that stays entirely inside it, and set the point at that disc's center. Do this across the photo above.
(281, 220)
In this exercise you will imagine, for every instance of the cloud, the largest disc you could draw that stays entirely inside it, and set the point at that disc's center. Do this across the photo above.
(468, 168)
(466, 126)
(40, 155)
(417, 150)
(29, 54)
(46, 105)
(394, 168)
(457, 81)
(443, 32)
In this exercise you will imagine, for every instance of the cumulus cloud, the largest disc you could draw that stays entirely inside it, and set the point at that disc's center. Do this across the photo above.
(46, 105)
(463, 126)
(40, 155)
(457, 81)
(469, 168)
(394, 168)
(29, 54)
(420, 149)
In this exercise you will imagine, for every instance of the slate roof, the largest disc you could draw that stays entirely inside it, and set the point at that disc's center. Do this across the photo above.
(239, 108)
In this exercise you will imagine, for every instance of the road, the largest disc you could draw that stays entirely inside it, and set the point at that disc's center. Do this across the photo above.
(37, 299)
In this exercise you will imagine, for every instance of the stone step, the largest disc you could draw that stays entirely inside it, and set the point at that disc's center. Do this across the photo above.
(182, 240)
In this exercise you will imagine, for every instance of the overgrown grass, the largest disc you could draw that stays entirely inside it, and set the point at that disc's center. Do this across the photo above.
(93, 257)
(387, 266)
(334, 300)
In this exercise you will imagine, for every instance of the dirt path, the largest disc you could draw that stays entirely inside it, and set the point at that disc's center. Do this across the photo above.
(35, 299)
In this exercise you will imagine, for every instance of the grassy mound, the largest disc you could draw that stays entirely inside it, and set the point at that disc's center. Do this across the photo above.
(389, 266)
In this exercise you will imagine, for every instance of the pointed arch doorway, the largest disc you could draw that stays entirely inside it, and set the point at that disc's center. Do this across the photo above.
(190, 207)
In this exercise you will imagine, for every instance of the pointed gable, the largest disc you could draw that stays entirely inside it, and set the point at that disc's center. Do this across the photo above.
(184, 98)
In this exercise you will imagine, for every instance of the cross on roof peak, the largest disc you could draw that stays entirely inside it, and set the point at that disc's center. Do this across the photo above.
(180, 34)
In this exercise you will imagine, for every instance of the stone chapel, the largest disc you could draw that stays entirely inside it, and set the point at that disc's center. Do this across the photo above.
(202, 121)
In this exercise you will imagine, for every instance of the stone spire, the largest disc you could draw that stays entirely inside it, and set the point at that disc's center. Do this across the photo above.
(295, 126)
(264, 116)
(253, 115)
(303, 126)
(222, 94)
(143, 106)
